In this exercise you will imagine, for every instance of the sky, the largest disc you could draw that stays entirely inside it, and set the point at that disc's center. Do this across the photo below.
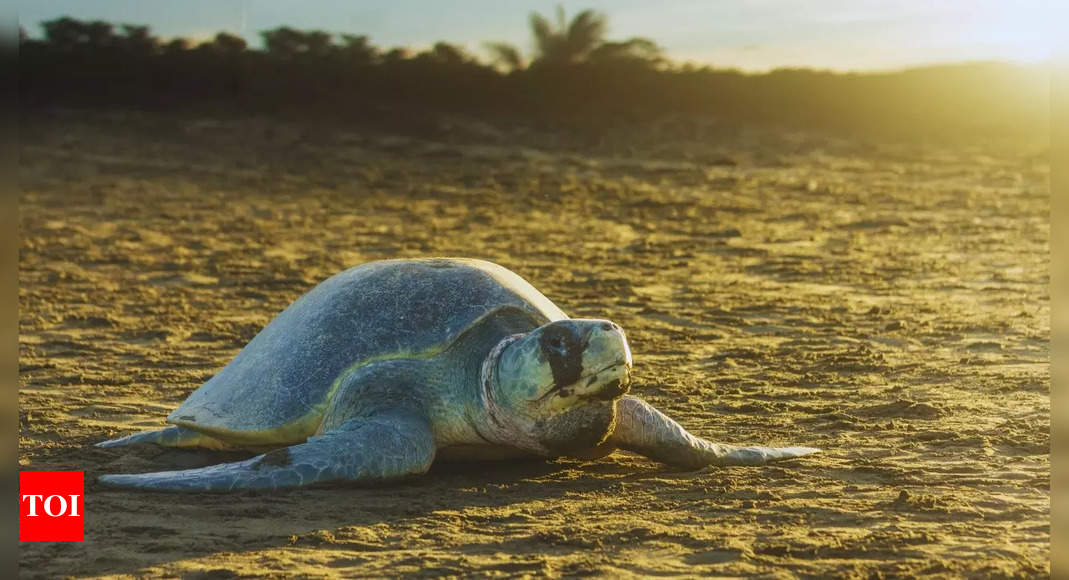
(752, 35)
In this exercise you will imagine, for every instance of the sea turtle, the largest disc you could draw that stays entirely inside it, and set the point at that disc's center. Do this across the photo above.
(382, 368)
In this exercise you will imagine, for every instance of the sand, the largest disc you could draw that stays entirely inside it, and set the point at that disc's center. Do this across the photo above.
(888, 303)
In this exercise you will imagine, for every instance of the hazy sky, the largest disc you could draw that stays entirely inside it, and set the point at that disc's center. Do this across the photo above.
(747, 34)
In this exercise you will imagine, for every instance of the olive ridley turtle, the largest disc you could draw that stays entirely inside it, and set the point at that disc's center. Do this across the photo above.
(381, 369)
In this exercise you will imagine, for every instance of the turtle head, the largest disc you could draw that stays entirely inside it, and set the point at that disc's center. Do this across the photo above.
(563, 379)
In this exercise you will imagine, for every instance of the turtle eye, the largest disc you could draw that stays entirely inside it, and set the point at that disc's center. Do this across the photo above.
(557, 343)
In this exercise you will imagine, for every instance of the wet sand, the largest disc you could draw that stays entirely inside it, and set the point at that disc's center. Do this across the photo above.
(888, 303)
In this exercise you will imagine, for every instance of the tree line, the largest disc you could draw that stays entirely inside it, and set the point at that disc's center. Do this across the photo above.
(575, 77)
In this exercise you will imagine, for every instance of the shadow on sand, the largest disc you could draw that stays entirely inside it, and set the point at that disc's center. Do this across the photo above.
(188, 526)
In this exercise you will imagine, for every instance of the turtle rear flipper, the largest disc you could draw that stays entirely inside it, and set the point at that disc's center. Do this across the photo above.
(643, 429)
(378, 448)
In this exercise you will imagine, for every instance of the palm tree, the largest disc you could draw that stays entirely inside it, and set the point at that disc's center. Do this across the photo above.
(562, 43)
(567, 43)
(581, 40)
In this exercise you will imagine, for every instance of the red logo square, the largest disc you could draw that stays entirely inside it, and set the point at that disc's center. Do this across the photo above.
(51, 506)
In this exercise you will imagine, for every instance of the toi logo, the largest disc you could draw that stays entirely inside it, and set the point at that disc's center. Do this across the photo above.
(51, 506)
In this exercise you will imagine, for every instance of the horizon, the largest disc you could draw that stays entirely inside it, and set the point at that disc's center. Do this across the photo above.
(753, 36)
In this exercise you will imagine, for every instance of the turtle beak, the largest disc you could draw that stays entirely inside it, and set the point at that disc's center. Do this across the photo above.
(606, 363)
(616, 388)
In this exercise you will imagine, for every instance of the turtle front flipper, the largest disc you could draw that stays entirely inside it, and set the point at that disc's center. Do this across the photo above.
(643, 429)
(367, 450)
(171, 437)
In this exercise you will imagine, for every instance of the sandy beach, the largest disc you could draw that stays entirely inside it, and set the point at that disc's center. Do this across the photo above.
(887, 303)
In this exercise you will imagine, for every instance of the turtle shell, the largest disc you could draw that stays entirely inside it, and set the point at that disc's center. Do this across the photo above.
(276, 388)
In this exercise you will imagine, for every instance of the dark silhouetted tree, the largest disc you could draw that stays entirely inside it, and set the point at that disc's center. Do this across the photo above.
(506, 56)
(64, 33)
(138, 40)
(176, 46)
(395, 55)
(226, 43)
(318, 43)
(575, 77)
(69, 34)
(580, 41)
(286, 43)
(282, 42)
(447, 54)
(633, 51)
(567, 42)
(357, 49)
(100, 34)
